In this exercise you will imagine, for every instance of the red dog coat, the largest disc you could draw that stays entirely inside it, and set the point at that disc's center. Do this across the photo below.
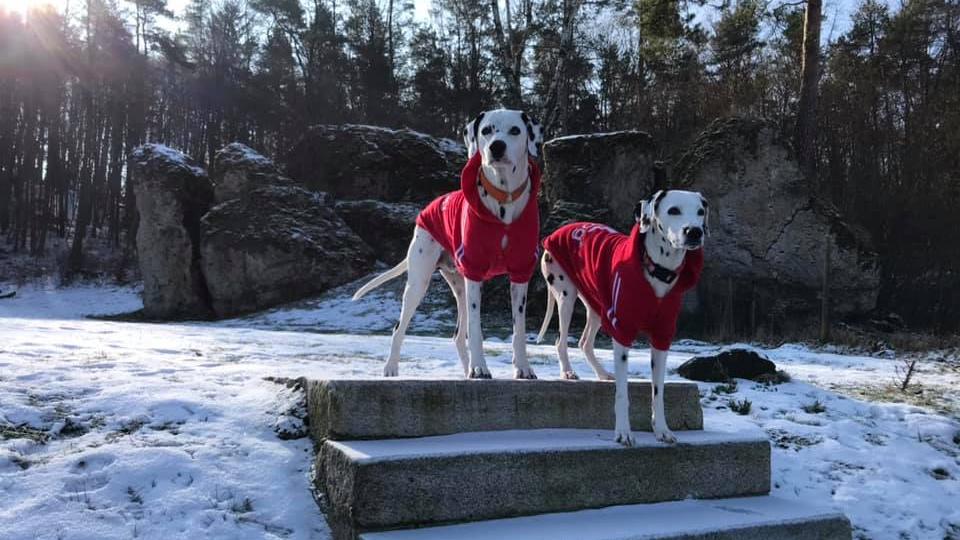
(470, 233)
(607, 269)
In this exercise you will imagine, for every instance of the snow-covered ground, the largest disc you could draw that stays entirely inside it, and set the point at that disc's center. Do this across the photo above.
(129, 430)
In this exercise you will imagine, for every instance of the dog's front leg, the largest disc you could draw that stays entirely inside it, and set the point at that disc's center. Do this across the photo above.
(478, 366)
(621, 406)
(658, 366)
(518, 302)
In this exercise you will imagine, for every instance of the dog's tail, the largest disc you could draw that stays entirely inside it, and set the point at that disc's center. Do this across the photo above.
(394, 272)
(548, 316)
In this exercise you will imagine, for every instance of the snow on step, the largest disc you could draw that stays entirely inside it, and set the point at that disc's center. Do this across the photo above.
(768, 518)
(373, 485)
(521, 441)
(346, 409)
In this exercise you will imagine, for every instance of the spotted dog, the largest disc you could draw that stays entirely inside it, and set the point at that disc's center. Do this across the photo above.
(629, 284)
(490, 227)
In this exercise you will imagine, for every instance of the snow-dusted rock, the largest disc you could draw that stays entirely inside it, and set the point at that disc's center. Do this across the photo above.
(172, 193)
(607, 171)
(765, 253)
(277, 244)
(767, 230)
(733, 363)
(238, 169)
(386, 227)
(369, 162)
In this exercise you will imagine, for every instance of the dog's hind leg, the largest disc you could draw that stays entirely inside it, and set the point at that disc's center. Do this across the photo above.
(559, 286)
(518, 302)
(422, 257)
(455, 280)
(567, 302)
(587, 339)
(658, 365)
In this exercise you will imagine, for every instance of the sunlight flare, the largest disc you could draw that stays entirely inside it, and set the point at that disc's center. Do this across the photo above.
(22, 7)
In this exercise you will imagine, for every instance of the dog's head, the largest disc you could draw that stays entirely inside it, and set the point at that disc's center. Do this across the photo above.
(504, 137)
(679, 216)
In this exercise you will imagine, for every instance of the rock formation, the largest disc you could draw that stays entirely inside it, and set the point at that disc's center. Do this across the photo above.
(605, 172)
(367, 162)
(275, 245)
(172, 194)
(768, 233)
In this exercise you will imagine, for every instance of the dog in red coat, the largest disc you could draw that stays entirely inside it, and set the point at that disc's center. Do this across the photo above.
(489, 227)
(629, 284)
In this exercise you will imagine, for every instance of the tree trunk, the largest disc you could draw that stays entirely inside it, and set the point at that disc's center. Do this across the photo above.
(557, 101)
(806, 130)
(508, 57)
(390, 34)
(825, 292)
(88, 157)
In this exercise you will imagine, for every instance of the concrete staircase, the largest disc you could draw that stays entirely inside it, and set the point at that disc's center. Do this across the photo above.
(427, 459)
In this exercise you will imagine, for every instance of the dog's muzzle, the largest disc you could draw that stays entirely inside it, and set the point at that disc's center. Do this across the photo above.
(694, 236)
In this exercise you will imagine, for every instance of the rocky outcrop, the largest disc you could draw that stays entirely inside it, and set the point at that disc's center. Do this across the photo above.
(386, 227)
(238, 169)
(766, 251)
(368, 162)
(266, 242)
(768, 233)
(277, 244)
(172, 194)
(605, 173)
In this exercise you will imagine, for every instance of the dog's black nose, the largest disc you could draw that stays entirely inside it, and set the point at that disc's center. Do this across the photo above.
(694, 234)
(497, 148)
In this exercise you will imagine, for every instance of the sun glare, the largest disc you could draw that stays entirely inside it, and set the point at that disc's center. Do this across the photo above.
(22, 6)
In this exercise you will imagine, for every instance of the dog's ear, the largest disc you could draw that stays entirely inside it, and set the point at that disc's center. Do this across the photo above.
(534, 134)
(655, 201)
(644, 214)
(471, 133)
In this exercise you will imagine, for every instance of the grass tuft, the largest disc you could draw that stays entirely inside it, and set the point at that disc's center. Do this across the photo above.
(779, 377)
(244, 507)
(134, 495)
(814, 408)
(741, 407)
(726, 388)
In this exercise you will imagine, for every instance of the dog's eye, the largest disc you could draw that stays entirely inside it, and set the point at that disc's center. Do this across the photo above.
(700, 212)
(486, 130)
(514, 130)
(674, 211)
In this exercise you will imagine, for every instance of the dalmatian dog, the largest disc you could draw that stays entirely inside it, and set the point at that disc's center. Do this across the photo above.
(489, 227)
(628, 284)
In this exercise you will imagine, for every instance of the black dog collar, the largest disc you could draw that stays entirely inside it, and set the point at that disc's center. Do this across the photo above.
(658, 272)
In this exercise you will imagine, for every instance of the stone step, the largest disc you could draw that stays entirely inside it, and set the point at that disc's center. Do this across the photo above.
(383, 484)
(390, 408)
(748, 518)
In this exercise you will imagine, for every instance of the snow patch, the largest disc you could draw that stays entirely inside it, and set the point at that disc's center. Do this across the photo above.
(119, 430)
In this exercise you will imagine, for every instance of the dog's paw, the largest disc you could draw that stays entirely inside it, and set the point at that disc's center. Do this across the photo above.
(570, 376)
(524, 373)
(664, 435)
(625, 437)
(605, 376)
(480, 373)
(391, 370)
